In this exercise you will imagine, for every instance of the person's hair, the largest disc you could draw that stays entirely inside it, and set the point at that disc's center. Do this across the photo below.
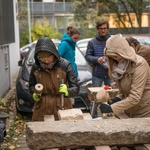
(102, 22)
(71, 31)
(131, 40)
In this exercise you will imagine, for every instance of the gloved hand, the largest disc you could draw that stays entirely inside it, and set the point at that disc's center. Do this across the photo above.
(35, 97)
(63, 89)
(115, 99)
(105, 108)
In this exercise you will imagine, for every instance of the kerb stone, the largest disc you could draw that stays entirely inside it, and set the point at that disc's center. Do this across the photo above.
(54, 134)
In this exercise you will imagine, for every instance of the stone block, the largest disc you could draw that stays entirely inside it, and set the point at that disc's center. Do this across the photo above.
(87, 116)
(102, 148)
(42, 135)
(49, 118)
(70, 114)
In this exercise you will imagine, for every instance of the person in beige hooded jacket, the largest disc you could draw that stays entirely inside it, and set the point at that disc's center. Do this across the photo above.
(132, 75)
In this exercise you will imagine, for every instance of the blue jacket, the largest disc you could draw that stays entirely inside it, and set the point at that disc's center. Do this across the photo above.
(95, 49)
(66, 49)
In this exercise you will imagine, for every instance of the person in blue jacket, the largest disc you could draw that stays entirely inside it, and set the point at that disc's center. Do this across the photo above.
(66, 48)
(95, 56)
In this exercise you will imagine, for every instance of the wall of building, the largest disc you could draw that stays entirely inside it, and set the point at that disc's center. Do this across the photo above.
(5, 69)
(9, 45)
(14, 52)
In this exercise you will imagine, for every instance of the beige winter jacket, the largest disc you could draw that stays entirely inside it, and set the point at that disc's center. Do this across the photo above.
(134, 86)
(144, 51)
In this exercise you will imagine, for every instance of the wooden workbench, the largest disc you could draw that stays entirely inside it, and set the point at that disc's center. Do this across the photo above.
(92, 91)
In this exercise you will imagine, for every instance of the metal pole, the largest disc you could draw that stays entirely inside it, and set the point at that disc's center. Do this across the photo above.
(29, 21)
(149, 16)
(32, 13)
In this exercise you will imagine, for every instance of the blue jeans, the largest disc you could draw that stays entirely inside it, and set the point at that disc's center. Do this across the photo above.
(97, 82)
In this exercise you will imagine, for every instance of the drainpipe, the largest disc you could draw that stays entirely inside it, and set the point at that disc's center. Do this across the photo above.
(29, 21)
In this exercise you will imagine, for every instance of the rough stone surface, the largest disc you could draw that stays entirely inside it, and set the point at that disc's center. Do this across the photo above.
(21, 145)
(87, 116)
(54, 134)
(70, 114)
(49, 118)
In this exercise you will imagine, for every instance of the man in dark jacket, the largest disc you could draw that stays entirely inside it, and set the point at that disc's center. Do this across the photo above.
(142, 50)
(95, 56)
(57, 77)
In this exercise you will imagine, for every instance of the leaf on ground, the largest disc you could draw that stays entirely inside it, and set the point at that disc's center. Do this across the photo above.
(10, 121)
(12, 147)
(15, 139)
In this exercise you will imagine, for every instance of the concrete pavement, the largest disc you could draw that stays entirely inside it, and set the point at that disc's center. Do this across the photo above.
(10, 99)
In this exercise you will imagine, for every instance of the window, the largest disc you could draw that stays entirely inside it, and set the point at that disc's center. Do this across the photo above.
(80, 60)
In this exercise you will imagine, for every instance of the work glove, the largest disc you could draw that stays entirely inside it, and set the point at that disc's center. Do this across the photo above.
(114, 100)
(105, 108)
(35, 97)
(63, 89)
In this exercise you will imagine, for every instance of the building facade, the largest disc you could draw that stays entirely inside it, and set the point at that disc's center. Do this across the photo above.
(9, 44)
(60, 14)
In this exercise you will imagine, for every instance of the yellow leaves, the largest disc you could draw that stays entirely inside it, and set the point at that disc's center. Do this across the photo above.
(1, 101)
(44, 29)
(9, 121)
(15, 139)
(12, 147)
(17, 128)
(16, 117)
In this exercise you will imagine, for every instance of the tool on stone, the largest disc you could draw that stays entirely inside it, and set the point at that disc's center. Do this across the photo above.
(38, 89)
(62, 96)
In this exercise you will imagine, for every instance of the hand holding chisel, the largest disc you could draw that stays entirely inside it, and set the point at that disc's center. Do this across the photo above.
(64, 90)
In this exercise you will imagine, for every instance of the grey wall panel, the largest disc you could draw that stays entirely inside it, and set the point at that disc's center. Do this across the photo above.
(6, 22)
(4, 70)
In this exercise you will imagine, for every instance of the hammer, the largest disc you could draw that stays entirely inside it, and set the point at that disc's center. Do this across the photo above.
(38, 89)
